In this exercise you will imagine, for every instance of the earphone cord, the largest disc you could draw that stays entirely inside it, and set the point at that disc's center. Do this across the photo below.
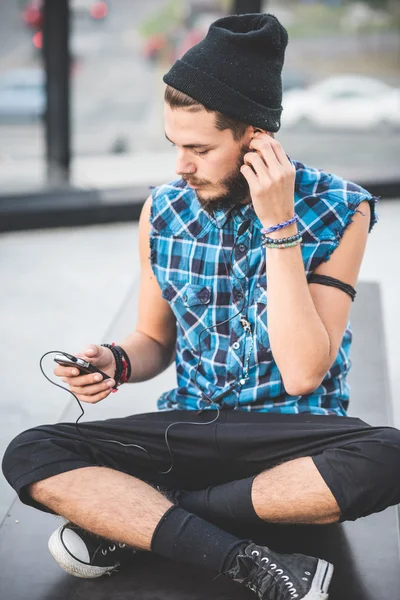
(90, 440)
(228, 272)
(211, 402)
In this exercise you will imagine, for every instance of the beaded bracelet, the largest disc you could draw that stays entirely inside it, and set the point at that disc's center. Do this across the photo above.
(268, 240)
(118, 364)
(289, 245)
(122, 365)
(280, 225)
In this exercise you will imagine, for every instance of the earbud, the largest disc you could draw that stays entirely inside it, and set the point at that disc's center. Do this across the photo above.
(256, 131)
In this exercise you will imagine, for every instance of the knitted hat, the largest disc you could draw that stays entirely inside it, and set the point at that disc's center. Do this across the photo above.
(236, 69)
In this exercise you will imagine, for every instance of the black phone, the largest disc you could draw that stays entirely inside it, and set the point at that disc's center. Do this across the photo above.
(73, 361)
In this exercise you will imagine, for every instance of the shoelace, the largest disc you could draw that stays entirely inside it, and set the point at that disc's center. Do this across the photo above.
(276, 582)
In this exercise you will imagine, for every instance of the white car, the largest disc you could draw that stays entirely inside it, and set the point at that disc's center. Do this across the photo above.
(343, 102)
(22, 95)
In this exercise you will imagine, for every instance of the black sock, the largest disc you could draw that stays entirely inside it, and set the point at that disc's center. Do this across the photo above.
(228, 502)
(186, 537)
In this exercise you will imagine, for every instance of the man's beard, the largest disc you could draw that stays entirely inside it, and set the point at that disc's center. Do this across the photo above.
(236, 188)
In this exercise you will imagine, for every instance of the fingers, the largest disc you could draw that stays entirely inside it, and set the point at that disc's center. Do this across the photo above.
(90, 387)
(89, 393)
(92, 390)
(271, 150)
(258, 165)
(264, 150)
(94, 399)
(250, 176)
(73, 372)
(266, 162)
(61, 371)
(92, 353)
(83, 380)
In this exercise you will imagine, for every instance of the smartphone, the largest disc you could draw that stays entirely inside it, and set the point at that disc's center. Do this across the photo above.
(84, 367)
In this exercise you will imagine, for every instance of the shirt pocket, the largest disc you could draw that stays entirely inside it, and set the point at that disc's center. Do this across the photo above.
(191, 304)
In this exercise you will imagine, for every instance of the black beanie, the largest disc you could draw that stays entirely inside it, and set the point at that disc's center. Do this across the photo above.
(236, 69)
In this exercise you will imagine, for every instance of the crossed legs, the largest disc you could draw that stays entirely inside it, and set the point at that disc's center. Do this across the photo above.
(123, 508)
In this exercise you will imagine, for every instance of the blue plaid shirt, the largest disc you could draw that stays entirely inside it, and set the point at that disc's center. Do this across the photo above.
(191, 257)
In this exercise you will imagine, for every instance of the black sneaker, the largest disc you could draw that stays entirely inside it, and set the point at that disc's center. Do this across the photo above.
(86, 555)
(276, 576)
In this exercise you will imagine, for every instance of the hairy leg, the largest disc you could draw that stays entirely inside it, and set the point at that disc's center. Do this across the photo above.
(106, 502)
(294, 492)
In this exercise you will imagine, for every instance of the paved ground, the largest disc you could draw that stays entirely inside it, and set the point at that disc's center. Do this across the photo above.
(62, 288)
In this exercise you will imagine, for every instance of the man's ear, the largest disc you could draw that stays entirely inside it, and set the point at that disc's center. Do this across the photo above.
(255, 130)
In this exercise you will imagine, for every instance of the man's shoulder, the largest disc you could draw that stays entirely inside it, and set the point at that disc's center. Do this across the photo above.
(327, 200)
(311, 181)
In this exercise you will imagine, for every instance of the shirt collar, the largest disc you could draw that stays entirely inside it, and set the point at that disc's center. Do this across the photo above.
(239, 214)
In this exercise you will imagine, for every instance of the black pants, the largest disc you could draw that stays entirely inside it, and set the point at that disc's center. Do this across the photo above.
(359, 463)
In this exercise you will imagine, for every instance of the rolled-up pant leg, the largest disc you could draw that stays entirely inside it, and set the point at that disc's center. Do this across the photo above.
(363, 475)
(134, 445)
(360, 464)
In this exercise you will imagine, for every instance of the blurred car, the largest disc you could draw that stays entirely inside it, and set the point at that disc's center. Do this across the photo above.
(343, 102)
(294, 80)
(22, 95)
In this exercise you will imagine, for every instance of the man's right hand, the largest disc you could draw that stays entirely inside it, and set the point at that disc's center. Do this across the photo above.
(91, 387)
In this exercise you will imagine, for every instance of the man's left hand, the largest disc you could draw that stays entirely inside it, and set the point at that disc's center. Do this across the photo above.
(270, 176)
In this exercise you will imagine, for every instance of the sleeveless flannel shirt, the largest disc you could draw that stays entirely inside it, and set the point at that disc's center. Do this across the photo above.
(191, 257)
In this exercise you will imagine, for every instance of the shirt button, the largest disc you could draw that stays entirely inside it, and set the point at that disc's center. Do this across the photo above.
(236, 345)
(242, 247)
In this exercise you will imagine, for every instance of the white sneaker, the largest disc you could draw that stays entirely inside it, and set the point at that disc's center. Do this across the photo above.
(86, 555)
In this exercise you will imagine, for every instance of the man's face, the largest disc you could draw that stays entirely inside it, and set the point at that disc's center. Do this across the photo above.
(208, 159)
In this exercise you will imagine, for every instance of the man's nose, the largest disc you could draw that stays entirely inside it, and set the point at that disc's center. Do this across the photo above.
(184, 165)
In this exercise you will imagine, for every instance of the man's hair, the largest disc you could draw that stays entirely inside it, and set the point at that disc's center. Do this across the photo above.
(177, 99)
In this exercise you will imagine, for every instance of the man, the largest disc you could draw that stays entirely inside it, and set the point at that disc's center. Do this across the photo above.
(249, 262)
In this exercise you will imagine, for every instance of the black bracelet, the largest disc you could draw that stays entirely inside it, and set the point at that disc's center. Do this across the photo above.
(332, 281)
(126, 357)
(118, 363)
(120, 355)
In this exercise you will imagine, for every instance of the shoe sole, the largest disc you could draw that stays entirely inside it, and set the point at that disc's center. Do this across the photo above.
(70, 564)
(320, 583)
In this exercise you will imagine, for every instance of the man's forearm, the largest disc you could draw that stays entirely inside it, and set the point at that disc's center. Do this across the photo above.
(148, 357)
(299, 341)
